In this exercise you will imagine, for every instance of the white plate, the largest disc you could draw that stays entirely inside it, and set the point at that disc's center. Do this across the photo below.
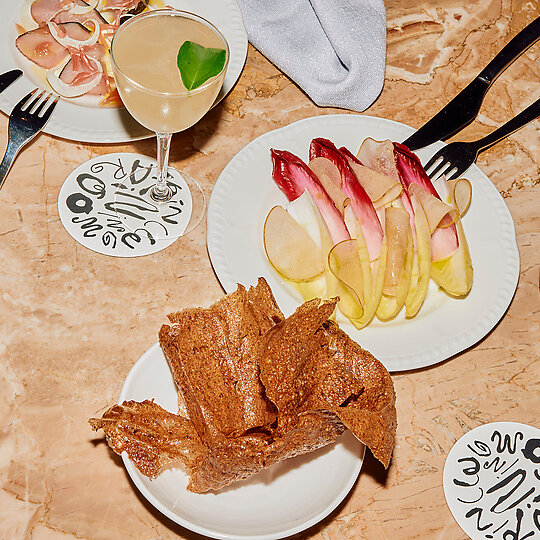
(103, 125)
(245, 192)
(277, 502)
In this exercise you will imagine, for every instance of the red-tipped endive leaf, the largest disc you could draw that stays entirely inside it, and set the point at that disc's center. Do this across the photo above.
(381, 188)
(444, 241)
(293, 176)
(360, 201)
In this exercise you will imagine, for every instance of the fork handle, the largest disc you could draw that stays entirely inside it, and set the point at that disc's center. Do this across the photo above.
(11, 153)
(521, 42)
(524, 117)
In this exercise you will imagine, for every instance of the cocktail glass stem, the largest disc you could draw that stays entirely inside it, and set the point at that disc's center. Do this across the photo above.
(161, 192)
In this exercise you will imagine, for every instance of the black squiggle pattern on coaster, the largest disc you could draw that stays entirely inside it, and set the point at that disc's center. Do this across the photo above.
(493, 487)
(105, 206)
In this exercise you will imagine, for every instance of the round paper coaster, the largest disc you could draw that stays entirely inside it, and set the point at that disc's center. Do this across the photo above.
(104, 205)
(491, 482)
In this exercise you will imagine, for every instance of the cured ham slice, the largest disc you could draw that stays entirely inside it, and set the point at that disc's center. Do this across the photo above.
(71, 76)
(44, 11)
(40, 47)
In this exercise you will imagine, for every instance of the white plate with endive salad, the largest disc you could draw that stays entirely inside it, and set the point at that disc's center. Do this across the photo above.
(445, 325)
(85, 119)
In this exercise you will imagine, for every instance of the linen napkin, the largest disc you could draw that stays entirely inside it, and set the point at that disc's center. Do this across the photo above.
(335, 50)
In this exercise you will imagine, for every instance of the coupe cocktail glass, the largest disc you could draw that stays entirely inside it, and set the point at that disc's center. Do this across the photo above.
(144, 54)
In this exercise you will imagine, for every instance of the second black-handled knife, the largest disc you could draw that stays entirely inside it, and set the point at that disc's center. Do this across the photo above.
(462, 110)
(8, 78)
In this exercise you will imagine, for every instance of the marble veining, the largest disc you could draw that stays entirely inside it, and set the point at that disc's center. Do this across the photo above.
(73, 322)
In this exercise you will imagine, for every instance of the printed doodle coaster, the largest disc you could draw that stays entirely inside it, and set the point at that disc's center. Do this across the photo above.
(491, 482)
(103, 206)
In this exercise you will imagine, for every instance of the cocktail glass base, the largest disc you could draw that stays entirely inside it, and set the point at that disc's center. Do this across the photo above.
(140, 213)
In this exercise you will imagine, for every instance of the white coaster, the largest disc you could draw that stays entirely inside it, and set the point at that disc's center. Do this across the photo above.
(104, 206)
(491, 482)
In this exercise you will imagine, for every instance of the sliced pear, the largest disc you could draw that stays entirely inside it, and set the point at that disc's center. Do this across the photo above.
(399, 263)
(381, 189)
(289, 248)
(314, 288)
(421, 262)
(330, 177)
(344, 263)
(455, 274)
(461, 190)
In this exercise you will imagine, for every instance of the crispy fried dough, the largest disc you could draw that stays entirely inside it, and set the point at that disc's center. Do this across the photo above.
(213, 354)
(308, 363)
(152, 437)
(258, 388)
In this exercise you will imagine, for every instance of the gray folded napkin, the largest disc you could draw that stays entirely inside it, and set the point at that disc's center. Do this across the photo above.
(335, 50)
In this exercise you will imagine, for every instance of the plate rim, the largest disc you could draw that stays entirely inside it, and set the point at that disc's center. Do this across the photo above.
(116, 133)
(397, 362)
(135, 476)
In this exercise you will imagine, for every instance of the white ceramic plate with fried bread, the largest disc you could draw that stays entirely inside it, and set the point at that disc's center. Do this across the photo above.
(245, 192)
(77, 122)
(280, 501)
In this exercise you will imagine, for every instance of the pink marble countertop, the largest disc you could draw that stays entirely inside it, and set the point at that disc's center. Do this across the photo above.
(73, 322)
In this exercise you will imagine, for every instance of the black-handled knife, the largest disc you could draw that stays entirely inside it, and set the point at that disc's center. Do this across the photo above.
(8, 78)
(463, 109)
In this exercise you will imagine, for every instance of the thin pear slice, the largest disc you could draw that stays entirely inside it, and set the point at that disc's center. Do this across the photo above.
(372, 272)
(421, 263)
(289, 248)
(330, 178)
(399, 261)
(455, 274)
(314, 288)
(381, 188)
(344, 263)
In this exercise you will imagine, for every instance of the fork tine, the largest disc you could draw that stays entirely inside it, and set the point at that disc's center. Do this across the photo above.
(50, 109)
(432, 161)
(449, 172)
(42, 104)
(24, 100)
(442, 165)
(457, 173)
(35, 101)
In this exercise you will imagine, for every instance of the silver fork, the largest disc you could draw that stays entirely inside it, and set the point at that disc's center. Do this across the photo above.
(457, 157)
(26, 120)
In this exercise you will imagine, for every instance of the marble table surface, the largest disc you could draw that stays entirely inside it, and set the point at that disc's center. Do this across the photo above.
(73, 322)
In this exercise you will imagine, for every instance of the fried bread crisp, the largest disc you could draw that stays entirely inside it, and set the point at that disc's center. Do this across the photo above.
(257, 388)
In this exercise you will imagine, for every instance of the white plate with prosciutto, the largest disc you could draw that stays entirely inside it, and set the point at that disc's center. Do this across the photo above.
(63, 45)
(425, 280)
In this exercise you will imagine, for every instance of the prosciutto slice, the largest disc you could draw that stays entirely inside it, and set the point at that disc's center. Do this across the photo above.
(44, 11)
(40, 47)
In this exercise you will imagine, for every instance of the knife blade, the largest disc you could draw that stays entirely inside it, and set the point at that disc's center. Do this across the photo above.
(464, 108)
(8, 78)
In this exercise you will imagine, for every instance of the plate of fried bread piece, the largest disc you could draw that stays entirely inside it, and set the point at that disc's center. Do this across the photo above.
(241, 423)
